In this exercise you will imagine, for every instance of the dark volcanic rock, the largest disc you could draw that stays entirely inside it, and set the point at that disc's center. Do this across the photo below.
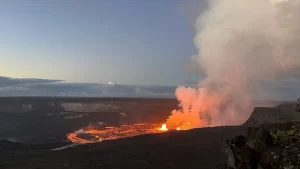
(280, 114)
(297, 108)
(44, 120)
(198, 148)
(268, 146)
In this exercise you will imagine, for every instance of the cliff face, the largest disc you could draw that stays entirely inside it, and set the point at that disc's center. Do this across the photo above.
(15, 108)
(86, 105)
(90, 107)
(83, 105)
(23, 105)
(279, 114)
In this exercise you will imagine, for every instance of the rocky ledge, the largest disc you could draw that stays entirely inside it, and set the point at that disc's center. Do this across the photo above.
(268, 146)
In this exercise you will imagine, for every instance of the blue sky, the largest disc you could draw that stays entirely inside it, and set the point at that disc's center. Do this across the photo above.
(70, 46)
(139, 42)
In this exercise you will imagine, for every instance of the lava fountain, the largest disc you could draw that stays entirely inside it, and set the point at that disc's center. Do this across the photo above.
(163, 128)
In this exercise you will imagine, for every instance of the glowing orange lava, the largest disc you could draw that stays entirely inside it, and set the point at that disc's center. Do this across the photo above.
(96, 134)
(163, 128)
(92, 135)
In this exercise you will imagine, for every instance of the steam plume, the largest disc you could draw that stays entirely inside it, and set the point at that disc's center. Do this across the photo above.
(241, 44)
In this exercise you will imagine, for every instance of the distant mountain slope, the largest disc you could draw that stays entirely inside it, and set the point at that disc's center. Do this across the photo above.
(278, 114)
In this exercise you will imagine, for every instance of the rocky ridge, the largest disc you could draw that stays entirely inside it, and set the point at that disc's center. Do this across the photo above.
(267, 146)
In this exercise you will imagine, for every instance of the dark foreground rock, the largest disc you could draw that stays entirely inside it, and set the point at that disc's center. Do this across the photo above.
(268, 146)
(193, 149)
(297, 108)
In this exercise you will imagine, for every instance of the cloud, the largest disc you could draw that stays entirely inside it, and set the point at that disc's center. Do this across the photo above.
(7, 81)
(10, 87)
(57, 88)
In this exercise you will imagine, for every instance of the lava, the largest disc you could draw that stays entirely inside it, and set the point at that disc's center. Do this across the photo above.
(92, 135)
(98, 134)
(163, 128)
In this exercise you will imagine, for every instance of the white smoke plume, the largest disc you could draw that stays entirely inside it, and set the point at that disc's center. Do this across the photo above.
(243, 46)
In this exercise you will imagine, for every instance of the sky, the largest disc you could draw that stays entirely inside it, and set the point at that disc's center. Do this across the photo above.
(136, 42)
(76, 47)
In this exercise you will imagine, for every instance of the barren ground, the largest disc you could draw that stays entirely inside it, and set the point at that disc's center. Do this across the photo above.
(197, 148)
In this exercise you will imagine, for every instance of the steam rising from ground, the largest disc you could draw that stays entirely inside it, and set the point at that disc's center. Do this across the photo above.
(242, 45)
